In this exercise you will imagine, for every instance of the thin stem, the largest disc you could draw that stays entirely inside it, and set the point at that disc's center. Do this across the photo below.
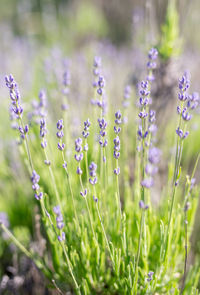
(88, 209)
(138, 251)
(57, 288)
(118, 193)
(86, 161)
(62, 245)
(53, 180)
(70, 188)
(186, 252)
(27, 146)
(104, 233)
(16, 242)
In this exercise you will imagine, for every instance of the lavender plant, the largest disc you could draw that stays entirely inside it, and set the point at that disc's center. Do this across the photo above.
(104, 233)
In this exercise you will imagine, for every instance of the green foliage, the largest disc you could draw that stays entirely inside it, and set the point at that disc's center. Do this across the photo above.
(170, 43)
(101, 253)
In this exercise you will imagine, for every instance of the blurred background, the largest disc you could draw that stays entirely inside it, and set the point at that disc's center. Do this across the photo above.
(36, 35)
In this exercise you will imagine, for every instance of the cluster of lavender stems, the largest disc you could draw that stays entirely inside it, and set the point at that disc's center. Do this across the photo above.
(186, 103)
(146, 131)
(11, 84)
(144, 139)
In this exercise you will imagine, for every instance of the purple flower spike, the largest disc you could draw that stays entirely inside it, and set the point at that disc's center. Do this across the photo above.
(97, 62)
(59, 222)
(92, 169)
(35, 177)
(153, 54)
(14, 96)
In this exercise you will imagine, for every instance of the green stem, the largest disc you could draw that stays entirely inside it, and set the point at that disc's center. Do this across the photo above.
(104, 233)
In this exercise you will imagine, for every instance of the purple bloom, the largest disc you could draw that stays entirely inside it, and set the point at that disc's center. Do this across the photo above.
(14, 95)
(43, 98)
(85, 132)
(92, 169)
(66, 78)
(127, 92)
(78, 157)
(59, 222)
(60, 125)
(97, 62)
(101, 85)
(44, 144)
(35, 177)
(117, 129)
(47, 162)
(116, 155)
(61, 146)
(142, 205)
(150, 276)
(60, 134)
(78, 145)
(118, 117)
(179, 132)
(150, 169)
(95, 199)
(154, 155)
(185, 115)
(43, 129)
(64, 165)
(147, 182)
(184, 82)
(93, 181)
(84, 193)
(117, 171)
(61, 237)
(4, 219)
(102, 125)
(153, 54)
(143, 114)
(39, 196)
(79, 171)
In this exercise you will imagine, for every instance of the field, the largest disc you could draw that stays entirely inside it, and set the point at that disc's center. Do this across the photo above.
(100, 147)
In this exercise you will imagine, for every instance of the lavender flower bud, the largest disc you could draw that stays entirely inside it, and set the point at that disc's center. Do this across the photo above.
(117, 171)
(61, 146)
(148, 182)
(79, 171)
(95, 199)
